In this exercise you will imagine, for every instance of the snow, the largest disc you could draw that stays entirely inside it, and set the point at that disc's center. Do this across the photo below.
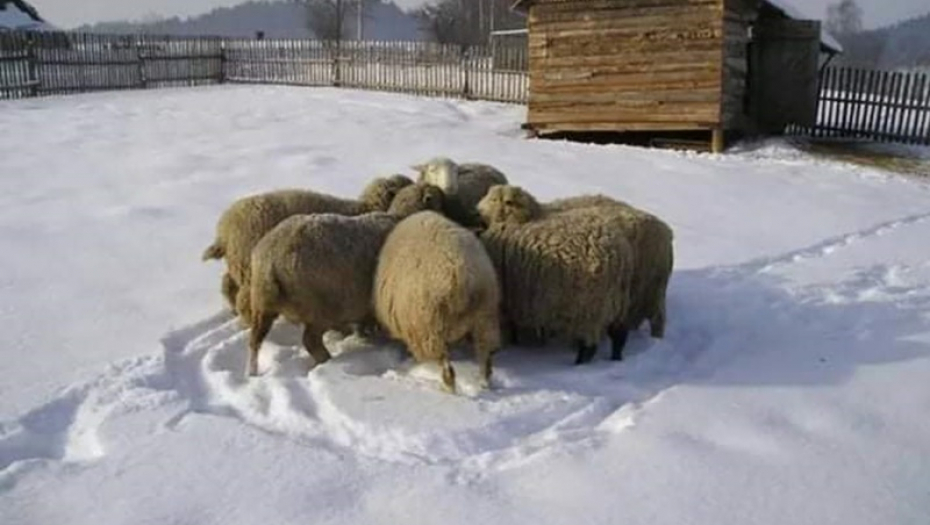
(12, 17)
(790, 388)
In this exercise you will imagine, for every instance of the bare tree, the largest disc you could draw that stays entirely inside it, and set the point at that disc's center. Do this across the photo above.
(844, 18)
(330, 19)
(466, 22)
(444, 21)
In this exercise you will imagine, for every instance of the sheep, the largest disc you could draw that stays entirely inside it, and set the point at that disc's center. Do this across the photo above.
(248, 219)
(435, 285)
(652, 241)
(465, 184)
(567, 272)
(318, 270)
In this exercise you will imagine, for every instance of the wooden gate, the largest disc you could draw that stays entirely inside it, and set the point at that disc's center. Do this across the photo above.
(783, 76)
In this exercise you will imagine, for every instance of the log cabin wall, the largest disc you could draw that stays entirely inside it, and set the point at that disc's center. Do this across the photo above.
(739, 15)
(625, 65)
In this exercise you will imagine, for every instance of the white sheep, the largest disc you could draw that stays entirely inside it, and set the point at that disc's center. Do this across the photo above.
(248, 219)
(318, 269)
(434, 286)
(564, 273)
(463, 184)
(652, 241)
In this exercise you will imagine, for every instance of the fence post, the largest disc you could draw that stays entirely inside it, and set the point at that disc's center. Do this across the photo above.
(465, 51)
(223, 59)
(137, 41)
(32, 58)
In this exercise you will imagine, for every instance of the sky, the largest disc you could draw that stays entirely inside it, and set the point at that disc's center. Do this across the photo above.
(70, 13)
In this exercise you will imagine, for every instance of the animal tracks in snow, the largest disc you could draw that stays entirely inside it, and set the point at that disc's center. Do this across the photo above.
(376, 401)
(833, 244)
(67, 428)
(372, 400)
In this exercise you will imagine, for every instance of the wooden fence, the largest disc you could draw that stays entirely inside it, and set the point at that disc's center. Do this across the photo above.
(881, 106)
(36, 64)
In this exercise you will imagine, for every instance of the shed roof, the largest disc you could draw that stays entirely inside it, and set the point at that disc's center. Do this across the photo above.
(19, 14)
(786, 7)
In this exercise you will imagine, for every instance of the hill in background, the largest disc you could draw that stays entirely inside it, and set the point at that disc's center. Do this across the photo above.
(904, 45)
(383, 21)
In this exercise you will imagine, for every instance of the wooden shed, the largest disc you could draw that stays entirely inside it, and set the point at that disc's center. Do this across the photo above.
(715, 67)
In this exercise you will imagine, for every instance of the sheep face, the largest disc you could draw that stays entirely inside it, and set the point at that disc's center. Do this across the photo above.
(417, 197)
(508, 204)
(441, 172)
(379, 193)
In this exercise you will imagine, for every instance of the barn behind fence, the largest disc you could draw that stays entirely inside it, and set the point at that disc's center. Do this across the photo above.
(881, 106)
(36, 64)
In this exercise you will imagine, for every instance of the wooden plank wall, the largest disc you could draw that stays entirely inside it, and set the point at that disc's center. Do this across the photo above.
(632, 65)
(738, 15)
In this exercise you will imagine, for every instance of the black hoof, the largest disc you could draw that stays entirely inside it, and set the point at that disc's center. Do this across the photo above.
(618, 337)
(585, 353)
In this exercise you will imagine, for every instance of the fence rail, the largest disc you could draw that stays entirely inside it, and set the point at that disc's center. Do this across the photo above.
(882, 106)
(35, 64)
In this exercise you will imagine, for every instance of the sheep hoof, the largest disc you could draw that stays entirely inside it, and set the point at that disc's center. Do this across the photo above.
(585, 353)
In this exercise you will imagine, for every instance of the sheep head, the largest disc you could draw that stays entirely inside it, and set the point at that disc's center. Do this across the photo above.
(504, 203)
(417, 197)
(379, 193)
(441, 172)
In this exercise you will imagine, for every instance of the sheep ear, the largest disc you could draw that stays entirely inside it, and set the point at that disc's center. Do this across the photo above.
(419, 167)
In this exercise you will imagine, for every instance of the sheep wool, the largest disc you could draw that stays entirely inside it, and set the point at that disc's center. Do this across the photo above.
(315, 270)
(435, 285)
(464, 185)
(318, 270)
(248, 219)
(566, 273)
(652, 241)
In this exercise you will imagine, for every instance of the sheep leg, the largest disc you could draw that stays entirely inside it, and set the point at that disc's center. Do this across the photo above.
(313, 342)
(618, 335)
(244, 305)
(586, 352)
(230, 290)
(448, 374)
(261, 325)
(487, 340)
(514, 333)
(657, 322)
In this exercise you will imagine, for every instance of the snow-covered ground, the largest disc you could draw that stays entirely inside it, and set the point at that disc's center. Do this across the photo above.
(792, 386)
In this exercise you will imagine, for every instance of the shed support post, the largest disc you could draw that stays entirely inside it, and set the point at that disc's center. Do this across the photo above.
(718, 141)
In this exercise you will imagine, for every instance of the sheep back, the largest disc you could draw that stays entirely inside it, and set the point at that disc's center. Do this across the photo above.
(435, 284)
(318, 269)
(652, 241)
(566, 273)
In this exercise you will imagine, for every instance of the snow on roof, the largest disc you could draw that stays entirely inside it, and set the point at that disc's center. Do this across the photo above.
(13, 16)
(791, 11)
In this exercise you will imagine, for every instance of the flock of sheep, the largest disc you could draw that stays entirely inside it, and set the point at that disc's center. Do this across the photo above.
(458, 255)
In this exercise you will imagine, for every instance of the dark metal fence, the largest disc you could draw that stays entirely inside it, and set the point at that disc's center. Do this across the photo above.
(881, 106)
(35, 64)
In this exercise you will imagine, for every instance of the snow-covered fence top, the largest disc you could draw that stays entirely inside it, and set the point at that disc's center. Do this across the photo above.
(35, 64)
(883, 106)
